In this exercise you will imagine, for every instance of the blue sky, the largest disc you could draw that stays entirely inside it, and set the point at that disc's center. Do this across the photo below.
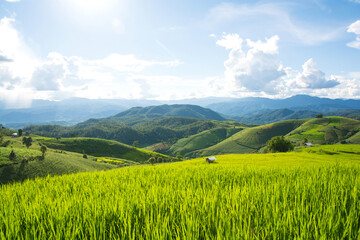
(134, 49)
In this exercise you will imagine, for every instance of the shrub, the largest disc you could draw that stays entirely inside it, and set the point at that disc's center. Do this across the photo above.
(12, 156)
(43, 149)
(27, 141)
(151, 160)
(279, 144)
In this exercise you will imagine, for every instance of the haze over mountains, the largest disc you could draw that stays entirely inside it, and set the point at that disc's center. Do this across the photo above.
(75, 110)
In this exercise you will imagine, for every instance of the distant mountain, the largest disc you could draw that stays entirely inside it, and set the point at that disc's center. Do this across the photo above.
(285, 114)
(74, 110)
(65, 112)
(176, 110)
(249, 106)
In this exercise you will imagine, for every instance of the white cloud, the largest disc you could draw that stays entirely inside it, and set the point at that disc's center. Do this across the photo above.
(252, 65)
(355, 28)
(313, 77)
(271, 18)
(12, 0)
(354, 1)
(58, 75)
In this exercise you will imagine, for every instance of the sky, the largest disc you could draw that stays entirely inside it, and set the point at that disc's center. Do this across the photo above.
(159, 49)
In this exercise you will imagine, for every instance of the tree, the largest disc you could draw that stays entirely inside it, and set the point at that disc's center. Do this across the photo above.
(1, 138)
(135, 144)
(27, 141)
(159, 160)
(43, 149)
(319, 115)
(305, 140)
(20, 132)
(151, 160)
(12, 156)
(279, 144)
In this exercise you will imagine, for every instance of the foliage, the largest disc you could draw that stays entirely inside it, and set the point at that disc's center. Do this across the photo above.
(279, 144)
(27, 141)
(135, 144)
(20, 132)
(6, 143)
(296, 195)
(1, 138)
(151, 160)
(12, 156)
(320, 115)
(150, 131)
(43, 149)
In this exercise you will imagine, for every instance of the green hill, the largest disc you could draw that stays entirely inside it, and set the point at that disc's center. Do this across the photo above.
(64, 156)
(251, 139)
(101, 148)
(186, 146)
(29, 163)
(176, 110)
(326, 130)
(146, 131)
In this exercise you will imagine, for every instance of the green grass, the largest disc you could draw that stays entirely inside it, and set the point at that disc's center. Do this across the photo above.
(101, 148)
(297, 195)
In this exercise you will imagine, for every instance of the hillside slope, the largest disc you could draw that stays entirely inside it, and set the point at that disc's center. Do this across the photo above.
(176, 110)
(55, 162)
(146, 131)
(326, 130)
(101, 148)
(251, 139)
(186, 146)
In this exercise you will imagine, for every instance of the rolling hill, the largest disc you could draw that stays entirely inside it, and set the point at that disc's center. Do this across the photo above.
(101, 148)
(148, 125)
(207, 138)
(251, 139)
(176, 110)
(29, 164)
(327, 130)
(65, 156)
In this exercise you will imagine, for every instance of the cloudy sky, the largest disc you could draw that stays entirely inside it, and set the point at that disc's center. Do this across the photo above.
(159, 49)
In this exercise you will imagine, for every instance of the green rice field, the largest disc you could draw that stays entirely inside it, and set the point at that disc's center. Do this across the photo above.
(313, 193)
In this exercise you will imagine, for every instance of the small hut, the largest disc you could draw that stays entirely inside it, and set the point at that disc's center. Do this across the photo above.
(14, 135)
(210, 159)
(308, 144)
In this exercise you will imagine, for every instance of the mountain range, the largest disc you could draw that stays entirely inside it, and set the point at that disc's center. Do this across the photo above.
(71, 111)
